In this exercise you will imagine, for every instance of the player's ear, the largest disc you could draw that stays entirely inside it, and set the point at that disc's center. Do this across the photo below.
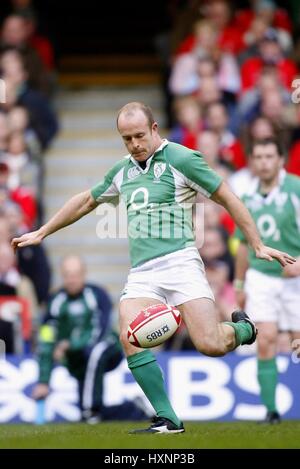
(154, 127)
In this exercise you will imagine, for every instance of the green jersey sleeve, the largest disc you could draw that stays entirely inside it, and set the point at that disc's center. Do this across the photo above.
(198, 175)
(108, 190)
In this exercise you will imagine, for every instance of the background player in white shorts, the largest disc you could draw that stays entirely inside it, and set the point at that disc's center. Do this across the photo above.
(156, 180)
(271, 293)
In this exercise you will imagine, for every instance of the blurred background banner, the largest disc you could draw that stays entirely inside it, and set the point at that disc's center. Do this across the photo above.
(201, 388)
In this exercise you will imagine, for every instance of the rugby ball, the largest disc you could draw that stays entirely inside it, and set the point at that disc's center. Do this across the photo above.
(153, 325)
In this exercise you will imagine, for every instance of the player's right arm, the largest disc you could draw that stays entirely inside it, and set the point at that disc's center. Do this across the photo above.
(78, 206)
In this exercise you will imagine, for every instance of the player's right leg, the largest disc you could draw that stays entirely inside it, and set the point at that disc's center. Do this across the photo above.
(146, 371)
(267, 373)
(263, 304)
(210, 336)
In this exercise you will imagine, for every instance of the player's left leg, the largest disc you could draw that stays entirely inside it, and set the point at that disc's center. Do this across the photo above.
(211, 337)
(267, 373)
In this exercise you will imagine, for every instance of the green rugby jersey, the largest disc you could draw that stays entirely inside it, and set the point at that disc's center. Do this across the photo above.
(158, 198)
(277, 217)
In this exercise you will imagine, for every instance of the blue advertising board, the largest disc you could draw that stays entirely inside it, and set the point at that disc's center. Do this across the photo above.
(200, 388)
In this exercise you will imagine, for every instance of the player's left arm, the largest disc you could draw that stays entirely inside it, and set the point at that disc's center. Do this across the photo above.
(241, 215)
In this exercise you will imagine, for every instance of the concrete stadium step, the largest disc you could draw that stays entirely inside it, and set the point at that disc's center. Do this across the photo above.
(85, 79)
(110, 62)
(93, 120)
(110, 100)
(108, 96)
(102, 143)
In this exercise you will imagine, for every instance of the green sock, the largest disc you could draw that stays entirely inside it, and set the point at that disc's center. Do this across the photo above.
(243, 331)
(148, 375)
(267, 377)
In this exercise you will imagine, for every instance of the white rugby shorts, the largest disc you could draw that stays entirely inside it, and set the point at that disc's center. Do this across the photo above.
(273, 299)
(174, 279)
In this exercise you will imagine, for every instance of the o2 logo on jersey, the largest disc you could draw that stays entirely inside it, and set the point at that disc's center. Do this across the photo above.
(140, 193)
(267, 227)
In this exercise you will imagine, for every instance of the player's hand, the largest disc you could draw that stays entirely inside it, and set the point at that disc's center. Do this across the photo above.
(264, 252)
(40, 391)
(60, 350)
(27, 239)
(292, 270)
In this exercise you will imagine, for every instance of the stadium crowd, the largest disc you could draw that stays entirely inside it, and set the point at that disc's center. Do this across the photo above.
(28, 125)
(230, 82)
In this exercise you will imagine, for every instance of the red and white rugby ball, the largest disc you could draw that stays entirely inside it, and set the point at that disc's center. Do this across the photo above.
(153, 325)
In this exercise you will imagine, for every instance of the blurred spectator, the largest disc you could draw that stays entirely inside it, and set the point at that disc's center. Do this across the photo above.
(209, 93)
(42, 118)
(77, 332)
(14, 284)
(14, 34)
(215, 248)
(18, 121)
(204, 60)
(215, 216)
(249, 106)
(209, 146)
(259, 129)
(32, 261)
(22, 171)
(189, 121)
(258, 24)
(229, 37)
(23, 8)
(231, 151)
(4, 132)
(270, 56)
(38, 42)
(268, 11)
(5, 233)
(293, 163)
(219, 12)
(21, 196)
(217, 274)
(273, 108)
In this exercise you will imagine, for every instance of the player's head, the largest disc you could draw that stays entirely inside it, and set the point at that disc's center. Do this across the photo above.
(73, 274)
(138, 130)
(266, 158)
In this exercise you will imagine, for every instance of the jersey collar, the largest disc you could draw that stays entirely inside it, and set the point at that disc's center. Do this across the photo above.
(254, 188)
(149, 160)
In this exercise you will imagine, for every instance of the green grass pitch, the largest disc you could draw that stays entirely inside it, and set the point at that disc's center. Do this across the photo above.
(115, 435)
